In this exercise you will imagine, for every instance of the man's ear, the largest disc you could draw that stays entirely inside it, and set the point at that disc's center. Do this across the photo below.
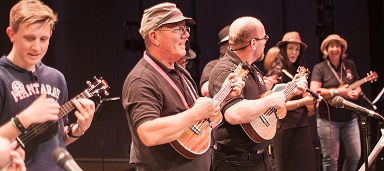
(10, 34)
(153, 37)
(253, 44)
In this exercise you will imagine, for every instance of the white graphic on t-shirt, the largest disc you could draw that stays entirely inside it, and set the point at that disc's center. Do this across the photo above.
(18, 90)
(21, 91)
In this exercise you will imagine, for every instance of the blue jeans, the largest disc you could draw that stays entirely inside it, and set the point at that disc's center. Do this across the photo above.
(348, 133)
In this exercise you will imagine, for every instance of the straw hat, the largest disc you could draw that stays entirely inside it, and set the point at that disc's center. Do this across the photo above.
(331, 38)
(291, 37)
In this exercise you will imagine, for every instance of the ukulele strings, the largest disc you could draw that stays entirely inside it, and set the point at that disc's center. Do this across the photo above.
(63, 110)
(287, 91)
(220, 96)
(37, 128)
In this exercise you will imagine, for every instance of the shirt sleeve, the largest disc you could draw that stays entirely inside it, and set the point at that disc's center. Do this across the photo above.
(142, 102)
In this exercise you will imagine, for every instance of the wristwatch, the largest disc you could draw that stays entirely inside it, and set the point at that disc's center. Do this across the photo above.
(69, 131)
(335, 94)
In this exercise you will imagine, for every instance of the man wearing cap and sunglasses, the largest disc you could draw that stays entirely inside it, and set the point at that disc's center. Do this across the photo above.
(160, 97)
(235, 149)
(332, 76)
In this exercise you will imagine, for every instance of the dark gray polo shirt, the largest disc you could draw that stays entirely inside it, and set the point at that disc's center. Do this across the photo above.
(147, 96)
(232, 137)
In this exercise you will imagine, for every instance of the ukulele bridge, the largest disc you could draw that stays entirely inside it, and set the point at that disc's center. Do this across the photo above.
(265, 121)
(195, 129)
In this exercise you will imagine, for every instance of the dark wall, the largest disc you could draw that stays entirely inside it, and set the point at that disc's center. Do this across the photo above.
(100, 38)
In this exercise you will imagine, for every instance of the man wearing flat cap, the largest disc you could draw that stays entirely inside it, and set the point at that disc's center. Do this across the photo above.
(332, 76)
(158, 95)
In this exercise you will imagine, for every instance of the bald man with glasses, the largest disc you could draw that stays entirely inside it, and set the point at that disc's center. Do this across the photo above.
(236, 149)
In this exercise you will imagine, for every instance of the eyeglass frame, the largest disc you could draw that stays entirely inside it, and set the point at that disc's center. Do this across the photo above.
(177, 30)
(266, 37)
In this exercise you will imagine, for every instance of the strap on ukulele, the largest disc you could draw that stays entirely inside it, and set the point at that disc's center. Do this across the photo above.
(166, 77)
(340, 79)
(287, 73)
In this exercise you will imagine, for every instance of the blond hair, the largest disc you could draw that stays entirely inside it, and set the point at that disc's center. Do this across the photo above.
(31, 11)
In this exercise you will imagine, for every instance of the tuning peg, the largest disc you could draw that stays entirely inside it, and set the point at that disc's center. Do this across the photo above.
(88, 83)
(106, 93)
(97, 79)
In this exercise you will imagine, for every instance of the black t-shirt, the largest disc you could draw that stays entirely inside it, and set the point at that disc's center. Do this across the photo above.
(297, 117)
(233, 137)
(323, 73)
(146, 96)
(207, 71)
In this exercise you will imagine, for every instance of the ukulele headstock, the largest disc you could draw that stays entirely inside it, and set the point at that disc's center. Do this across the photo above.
(371, 76)
(95, 88)
(302, 71)
(242, 70)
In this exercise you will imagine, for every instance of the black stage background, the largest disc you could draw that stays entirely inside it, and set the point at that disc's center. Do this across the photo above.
(100, 38)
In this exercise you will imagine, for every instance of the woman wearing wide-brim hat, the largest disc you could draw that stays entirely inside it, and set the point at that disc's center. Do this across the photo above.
(333, 38)
(331, 77)
(293, 132)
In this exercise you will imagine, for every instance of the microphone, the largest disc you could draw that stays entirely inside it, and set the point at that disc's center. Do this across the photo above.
(366, 99)
(315, 95)
(65, 160)
(340, 102)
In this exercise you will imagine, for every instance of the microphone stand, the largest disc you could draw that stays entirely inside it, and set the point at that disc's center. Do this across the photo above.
(102, 109)
(365, 143)
(365, 130)
(375, 152)
(363, 120)
(102, 134)
(362, 95)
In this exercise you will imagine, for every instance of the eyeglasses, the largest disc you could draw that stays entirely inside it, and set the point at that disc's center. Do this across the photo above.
(266, 37)
(181, 30)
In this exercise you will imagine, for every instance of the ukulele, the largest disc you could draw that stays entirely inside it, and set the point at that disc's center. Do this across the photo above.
(196, 139)
(371, 77)
(264, 127)
(41, 132)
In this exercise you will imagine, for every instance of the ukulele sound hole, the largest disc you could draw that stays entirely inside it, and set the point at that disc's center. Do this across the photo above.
(39, 130)
(46, 128)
